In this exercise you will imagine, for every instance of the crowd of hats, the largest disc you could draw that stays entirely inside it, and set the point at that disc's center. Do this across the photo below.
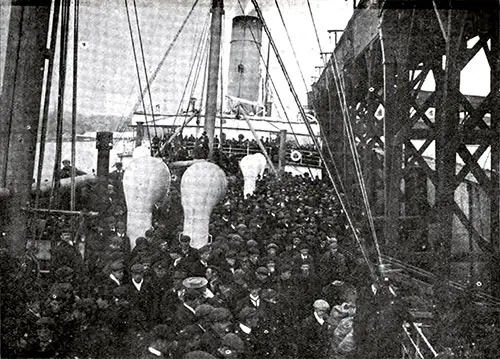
(287, 245)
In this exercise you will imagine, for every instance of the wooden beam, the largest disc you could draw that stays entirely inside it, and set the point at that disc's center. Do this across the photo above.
(20, 108)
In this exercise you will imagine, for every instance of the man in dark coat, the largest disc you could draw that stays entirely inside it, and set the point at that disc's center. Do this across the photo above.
(185, 313)
(221, 321)
(65, 254)
(383, 324)
(314, 343)
(248, 319)
(140, 297)
(112, 281)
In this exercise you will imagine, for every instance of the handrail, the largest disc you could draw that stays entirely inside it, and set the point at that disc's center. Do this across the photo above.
(310, 158)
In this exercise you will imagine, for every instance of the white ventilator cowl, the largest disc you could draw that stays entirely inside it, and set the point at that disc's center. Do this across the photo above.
(145, 182)
(203, 185)
(252, 166)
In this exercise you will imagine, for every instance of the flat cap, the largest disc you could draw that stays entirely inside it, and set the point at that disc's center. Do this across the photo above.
(203, 310)
(272, 245)
(185, 239)
(205, 249)
(252, 243)
(64, 273)
(220, 314)
(233, 341)
(246, 312)
(189, 331)
(253, 250)
(321, 304)
(117, 265)
(262, 270)
(120, 291)
(137, 268)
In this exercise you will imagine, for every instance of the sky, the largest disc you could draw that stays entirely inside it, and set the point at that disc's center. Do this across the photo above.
(107, 77)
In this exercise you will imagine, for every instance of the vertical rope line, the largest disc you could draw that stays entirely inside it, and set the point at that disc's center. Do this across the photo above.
(46, 105)
(54, 196)
(75, 97)
(137, 70)
(148, 87)
(308, 125)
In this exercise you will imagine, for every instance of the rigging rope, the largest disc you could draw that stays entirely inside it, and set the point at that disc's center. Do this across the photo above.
(308, 125)
(60, 105)
(137, 70)
(291, 45)
(305, 84)
(197, 60)
(314, 25)
(203, 42)
(46, 104)
(350, 136)
(74, 104)
(221, 85)
(148, 87)
(162, 61)
(355, 154)
(274, 87)
(275, 90)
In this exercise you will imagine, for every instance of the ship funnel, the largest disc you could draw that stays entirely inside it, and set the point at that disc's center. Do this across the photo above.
(244, 61)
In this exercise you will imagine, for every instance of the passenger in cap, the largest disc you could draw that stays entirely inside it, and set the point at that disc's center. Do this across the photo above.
(64, 274)
(314, 341)
(262, 276)
(189, 338)
(231, 347)
(221, 323)
(248, 322)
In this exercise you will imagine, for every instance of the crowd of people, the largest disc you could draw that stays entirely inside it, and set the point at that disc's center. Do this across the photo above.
(227, 152)
(281, 279)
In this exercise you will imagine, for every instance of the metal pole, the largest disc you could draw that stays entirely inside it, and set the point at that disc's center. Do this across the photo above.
(282, 153)
(213, 72)
(104, 143)
(139, 134)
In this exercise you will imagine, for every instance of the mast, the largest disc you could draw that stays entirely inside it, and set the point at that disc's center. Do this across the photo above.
(213, 71)
(20, 108)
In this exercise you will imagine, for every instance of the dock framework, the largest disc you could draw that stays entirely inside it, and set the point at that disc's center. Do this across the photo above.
(432, 211)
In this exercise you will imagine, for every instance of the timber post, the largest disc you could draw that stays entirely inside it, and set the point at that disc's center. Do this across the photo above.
(20, 111)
